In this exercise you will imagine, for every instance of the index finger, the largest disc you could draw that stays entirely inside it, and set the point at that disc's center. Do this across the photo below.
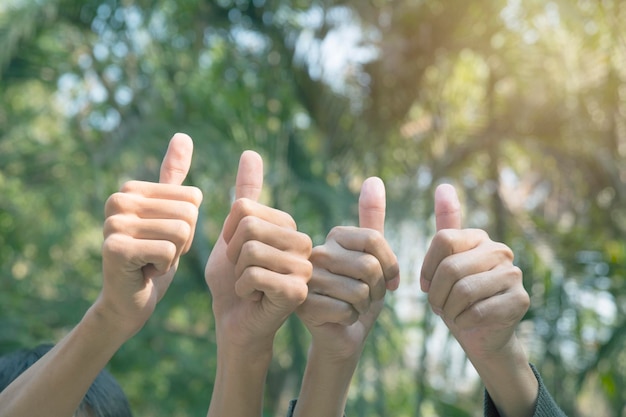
(445, 243)
(370, 241)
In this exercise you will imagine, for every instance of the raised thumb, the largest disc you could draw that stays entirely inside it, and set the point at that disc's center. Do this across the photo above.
(249, 181)
(177, 160)
(372, 204)
(447, 208)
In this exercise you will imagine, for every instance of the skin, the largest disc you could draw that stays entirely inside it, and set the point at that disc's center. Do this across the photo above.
(351, 272)
(258, 274)
(148, 226)
(474, 287)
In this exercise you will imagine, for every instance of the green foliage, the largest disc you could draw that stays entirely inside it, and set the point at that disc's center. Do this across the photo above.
(519, 104)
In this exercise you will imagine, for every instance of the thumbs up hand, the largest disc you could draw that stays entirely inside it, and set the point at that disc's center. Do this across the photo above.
(351, 272)
(472, 283)
(147, 227)
(259, 268)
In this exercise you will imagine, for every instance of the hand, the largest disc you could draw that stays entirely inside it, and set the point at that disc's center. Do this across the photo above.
(148, 226)
(259, 268)
(472, 283)
(351, 273)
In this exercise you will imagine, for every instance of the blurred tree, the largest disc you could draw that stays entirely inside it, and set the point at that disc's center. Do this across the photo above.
(520, 104)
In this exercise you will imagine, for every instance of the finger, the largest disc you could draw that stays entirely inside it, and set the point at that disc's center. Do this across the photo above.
(372, 242)
(283, 292)
(456, 267)
(357, 266)
(447, 208)
(135, 254)
(177, 160)
(252, 228)
(319, 310)
(446, 243)
(164, 191)
(372, 204)
(172, 230)
(481, 286)
(150, 208)
(259, 254)
(343, 288)
(502, 311)
(245, 207)
(249, 181)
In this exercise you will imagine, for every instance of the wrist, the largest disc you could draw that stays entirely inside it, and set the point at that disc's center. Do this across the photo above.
(325, 385)
(509, 380)
(241, 373)
(328, 354)
(119, 326)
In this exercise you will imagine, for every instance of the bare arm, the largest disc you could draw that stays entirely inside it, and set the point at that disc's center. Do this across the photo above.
(474, 287)
(351, 273)
(257, 274)
(148, 227)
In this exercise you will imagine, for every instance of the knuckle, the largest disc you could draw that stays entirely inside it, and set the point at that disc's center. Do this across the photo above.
(320, 255)
(370, 266)
(305, 244)
(242, 207)
(465, 289)
(195, 195)
(516, 275)
(504, 251)
(334, 232)
(450, 268)
(114, 224)
(182, 232)
(444, 238)
(296, 291)
(347, 315)
(433, 302)
(252, 250)
(362, 294)
(115, 245)
(115, 202)
(307, 269)
(249, 227)
(475, 314)
(130, 186)
(291, 223)
(249, 274)
(188, 212)
(522, 299)
(169, 252)
(373, 238)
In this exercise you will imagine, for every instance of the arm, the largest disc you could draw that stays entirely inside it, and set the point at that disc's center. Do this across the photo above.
(257, 273)
(148, 227)
(546, 407)
(351, 273)
(474, 287)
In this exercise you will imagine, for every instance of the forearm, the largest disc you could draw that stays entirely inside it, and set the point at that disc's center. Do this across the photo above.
(325, 385)
(240, 381)
(510, 382)
(56, 384)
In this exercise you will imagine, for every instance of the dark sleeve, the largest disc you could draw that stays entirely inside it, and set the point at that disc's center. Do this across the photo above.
(292, 407)
(546, 406)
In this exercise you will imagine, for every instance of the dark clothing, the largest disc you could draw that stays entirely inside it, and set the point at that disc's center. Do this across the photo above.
(546, 407)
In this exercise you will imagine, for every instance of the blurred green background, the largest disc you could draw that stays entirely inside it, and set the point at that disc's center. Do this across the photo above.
(521, 105)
